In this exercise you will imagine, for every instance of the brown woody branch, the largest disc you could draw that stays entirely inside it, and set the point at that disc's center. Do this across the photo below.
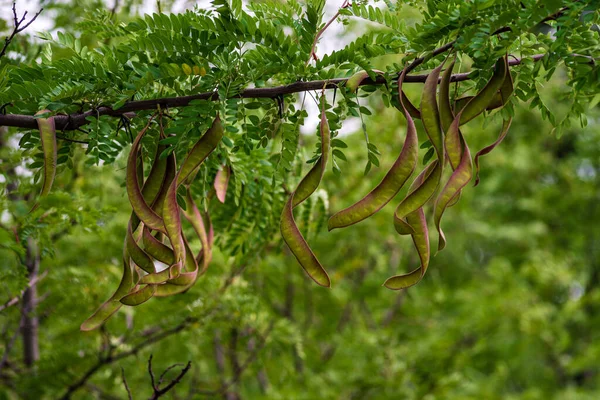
(19, 27)
(74, 121)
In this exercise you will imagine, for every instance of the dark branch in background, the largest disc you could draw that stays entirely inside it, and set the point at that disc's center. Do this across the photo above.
(16, 299)
(19, 27)
(313, 54)
(158, 392)
(74, 121)
(125, 384)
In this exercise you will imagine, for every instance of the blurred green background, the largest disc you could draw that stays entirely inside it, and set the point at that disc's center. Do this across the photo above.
(509, 310)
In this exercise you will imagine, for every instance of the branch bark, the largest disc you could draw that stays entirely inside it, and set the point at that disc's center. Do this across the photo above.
(75, 121)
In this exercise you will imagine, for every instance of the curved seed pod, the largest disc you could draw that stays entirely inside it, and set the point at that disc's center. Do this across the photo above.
(459, 179)
(420, 236)
(207, 143)
(221, 183)
(139, 257)
(311, 181)
(422, 190)
(140, 296)
(47, 129)
(162, 276)
(483, 99)
(446, 115)
(453, 145)
(157, 249)
(390, 185)
(111, 306)
(138, 203)
(289, 230)
(193, 215)
(171, 170)
(172, 221)
(488, 149)
(410, 107)
(430, 114)
(187, 278)
(355, 80)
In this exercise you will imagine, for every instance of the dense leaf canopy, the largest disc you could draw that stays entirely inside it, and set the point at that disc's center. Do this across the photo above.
(200, 154)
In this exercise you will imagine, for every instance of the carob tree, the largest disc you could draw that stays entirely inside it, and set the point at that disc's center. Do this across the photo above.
(183, 80)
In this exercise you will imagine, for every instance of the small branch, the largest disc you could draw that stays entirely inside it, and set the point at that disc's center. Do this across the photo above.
(74, 121)
(313, 54)
(157, 392)
(16, 299)
(151, 373)
(19, 27)
(125, 384)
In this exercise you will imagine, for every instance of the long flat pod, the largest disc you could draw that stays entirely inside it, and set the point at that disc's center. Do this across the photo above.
(445, 108)
(459, 179)
(111, 306)
(156, 248)
(221, 182)
(289, 230)
(420, 194)
(430, 114)
(488, 149)
(139, 296)
(207, 143)
(141, 208)
(193, 215)
(420, 236)
(391, 183)
(139, 256)
(483, 99)
(47, 129)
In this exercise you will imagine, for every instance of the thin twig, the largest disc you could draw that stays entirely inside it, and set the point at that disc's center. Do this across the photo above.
(16, 299)
(160, 392)
(78, 120)
(18, 28)
(313, 54)
(125, 384)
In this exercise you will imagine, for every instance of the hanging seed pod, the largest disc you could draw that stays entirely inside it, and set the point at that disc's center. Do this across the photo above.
(140, 206)
(221, 182)
(488, 149)
(389, 186)
(430, 114)
(289, 230)
(47, 129)
(459, 179)
(484, 98)
(420, 236)
(111, 306)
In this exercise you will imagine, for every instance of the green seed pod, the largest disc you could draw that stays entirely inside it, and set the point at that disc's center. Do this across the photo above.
(459, 179)
(390, 185)
(446, 115)
(139, 296)
(207, 143)
(422, 190)
(484, 98)
(141, 208)
(430, 114)
(488, 149)
(155, 248)
(289, 230)
(47, 129)
(420, 236)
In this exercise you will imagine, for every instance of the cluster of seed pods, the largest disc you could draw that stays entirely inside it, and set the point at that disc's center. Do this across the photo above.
(155, 221)
(442, 122)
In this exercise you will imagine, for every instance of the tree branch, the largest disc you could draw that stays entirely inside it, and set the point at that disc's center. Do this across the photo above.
(74, 121)
(18, 28)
